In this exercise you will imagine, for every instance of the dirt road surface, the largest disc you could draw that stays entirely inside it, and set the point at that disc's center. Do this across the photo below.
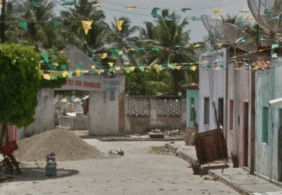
(137, 172)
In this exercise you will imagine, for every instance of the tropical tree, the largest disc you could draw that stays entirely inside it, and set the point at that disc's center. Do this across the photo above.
(170, 36)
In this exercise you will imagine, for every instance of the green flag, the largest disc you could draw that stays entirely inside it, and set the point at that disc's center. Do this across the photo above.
(60, 74)
(171, 66)
(156, 49)
(23, 24)
(168, 19)
(35, 4)
(160, 67)
(208, 66)
(45, 57)
(155, 12)
(70, 2)
(54, 24)
(222, 66)
(274, 46)
(63, 67)
(185, 9)
(195, 18)
(142, 68)
(115, 52)
(111, 69)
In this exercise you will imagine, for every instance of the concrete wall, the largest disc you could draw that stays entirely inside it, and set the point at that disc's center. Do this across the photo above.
(212, 85)
(74, 123)
(192, 93)
(239, 90)
(146, 113)
(268, 156)
(104, 118)
(44, 113)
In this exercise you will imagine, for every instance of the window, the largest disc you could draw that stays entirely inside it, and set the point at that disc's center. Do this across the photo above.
(206, 111)
(220, 111)
(231, 115)
(112, 96)
(192, 102)
(265, 125)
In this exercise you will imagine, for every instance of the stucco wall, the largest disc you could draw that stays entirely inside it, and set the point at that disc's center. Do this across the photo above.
(267, 162)
(239, 90)
(44, 113)
(192, 93)
(146, 113)
(104, 112)
(212, 85)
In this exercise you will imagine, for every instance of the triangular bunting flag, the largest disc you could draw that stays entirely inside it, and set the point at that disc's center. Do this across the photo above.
(64, 67)
(171, 66)
(193, 68)
(142, 68)
(54, 24)
(104, 55)
(45, 57)
(154, 12)
(119, 24)
(86, 26)
(185, 9)
(130, 7)
(23, 24)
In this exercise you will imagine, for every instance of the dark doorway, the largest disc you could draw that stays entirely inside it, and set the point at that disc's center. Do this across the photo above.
(220, 110)
(246, 132)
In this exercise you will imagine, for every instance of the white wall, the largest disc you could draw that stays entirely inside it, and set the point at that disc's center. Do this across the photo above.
(212, 85)
(104, 114)
(44, 113)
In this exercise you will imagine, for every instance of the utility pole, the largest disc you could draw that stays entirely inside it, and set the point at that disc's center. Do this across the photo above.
(3, 24)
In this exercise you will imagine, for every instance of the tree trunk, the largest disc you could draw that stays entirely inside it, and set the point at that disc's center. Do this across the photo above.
(3, 133)
(3, 20)
(176, 81)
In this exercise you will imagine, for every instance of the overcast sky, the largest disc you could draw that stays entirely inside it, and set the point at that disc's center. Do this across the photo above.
(197, 29)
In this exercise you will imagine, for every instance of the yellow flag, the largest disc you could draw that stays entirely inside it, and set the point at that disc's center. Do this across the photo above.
(86, 25)
(217, 10)
(41, 72)
(66, 73)
(99, 72)
(104, 55)
(54, 74)
(111, 64)
(47, 76)
(119, 24)
(117, 68)
(121, 52)
(234, 57)
(99, 5)
(156, 66)
(217, 68)
(85, 71)
(237, 68)
(178, 67)
(93, 67)
(255, 68)
(261, 50)
(130, 7)
(244, 10)
(61, 52)
(248, 18)
(126, 63)
(56, 64)
(132, 68)
(193, 68)
(197, 45)
(219, 44)
(78, 72)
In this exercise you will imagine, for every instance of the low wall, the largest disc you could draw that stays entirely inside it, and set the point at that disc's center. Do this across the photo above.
(74, 123)
(146, 113)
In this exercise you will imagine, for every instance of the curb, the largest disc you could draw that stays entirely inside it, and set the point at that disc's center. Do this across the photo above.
(222, 179)
(227, 182)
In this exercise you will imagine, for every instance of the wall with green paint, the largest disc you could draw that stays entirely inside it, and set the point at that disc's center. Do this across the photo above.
(267, 155)
(192, 93)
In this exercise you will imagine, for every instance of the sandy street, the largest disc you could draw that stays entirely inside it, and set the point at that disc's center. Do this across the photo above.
(138, 172)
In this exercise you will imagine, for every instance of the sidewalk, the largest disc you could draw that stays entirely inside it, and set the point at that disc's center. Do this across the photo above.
(237, 178)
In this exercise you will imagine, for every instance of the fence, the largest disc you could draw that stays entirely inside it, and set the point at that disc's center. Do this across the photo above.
(145, 113)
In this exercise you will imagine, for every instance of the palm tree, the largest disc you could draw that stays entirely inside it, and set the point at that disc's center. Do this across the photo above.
(172, 39)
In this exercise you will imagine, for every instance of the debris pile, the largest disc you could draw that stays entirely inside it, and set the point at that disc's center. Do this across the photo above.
(173, 132)
(117, 151)
(156, 133)
(66, 145)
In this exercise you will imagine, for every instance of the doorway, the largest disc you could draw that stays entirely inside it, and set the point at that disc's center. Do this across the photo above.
(279, 145)
(220, 110)
(246, 133)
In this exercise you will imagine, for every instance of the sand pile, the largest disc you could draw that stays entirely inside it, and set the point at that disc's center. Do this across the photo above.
(65, 144)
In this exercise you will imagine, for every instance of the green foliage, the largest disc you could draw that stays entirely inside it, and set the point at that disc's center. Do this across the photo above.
(19, 78)
(56, 83)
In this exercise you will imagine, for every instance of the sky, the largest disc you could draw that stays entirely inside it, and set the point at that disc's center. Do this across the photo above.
(199, 7)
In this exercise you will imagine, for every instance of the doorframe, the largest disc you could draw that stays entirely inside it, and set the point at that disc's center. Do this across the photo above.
(245, 133)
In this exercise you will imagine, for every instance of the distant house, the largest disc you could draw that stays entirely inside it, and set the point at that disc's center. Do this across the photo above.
(192, 98)
(213, 88)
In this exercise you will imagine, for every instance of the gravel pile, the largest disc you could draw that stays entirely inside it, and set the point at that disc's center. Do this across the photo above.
(65, 144)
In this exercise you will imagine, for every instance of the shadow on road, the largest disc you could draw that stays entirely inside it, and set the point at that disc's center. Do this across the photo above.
(33, 174)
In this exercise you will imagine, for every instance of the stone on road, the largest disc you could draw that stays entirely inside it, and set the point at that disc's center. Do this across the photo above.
(137, 172)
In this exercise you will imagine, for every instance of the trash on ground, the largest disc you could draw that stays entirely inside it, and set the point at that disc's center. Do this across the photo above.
(118, 151)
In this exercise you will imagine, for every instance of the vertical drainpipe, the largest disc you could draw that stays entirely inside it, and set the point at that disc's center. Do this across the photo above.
(253, 120)
(226, 95)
